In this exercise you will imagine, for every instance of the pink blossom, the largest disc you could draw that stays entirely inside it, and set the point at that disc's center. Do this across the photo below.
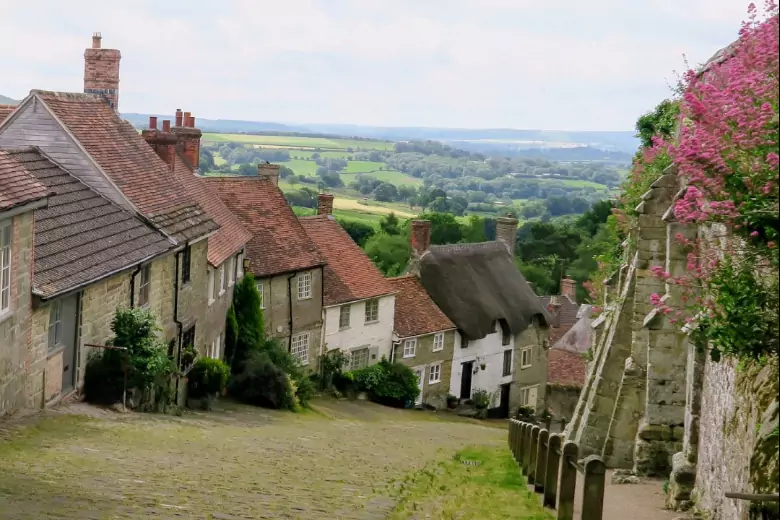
(655, 299)
(770, 244)
(754, 234)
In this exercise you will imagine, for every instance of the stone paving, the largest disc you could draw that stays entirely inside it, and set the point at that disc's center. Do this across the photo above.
(335, 462)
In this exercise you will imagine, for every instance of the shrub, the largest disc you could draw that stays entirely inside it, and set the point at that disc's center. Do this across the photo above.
(388, 383)
(231, 335)
(481, 399)
(262, 383)
(331, 368)
(249, 318)
(103, 378)
(304, 386)
(208, 377)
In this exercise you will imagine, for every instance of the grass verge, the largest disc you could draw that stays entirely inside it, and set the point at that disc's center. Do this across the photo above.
(493, 488)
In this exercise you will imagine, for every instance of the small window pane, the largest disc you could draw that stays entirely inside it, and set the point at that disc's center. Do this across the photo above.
(372, 311)
(344, 314)
(304, 286)
(300, 348)
(410, 347)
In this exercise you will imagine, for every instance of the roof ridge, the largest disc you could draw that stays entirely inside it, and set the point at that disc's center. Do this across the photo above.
(68, 96)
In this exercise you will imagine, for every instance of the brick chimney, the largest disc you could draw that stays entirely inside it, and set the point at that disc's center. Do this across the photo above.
(569, 289)
(421, 237)
(188, 138)
(162, 141)
(269, 171)
(101, 71)
(324, 204)
(506, 232)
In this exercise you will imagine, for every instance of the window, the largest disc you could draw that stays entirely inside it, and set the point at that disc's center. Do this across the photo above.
(55, 324)
(528, 396)
(240, 266)
(222, 279)
(261, 291)
(216, 346)
(186, 259)
(493, 327)
(434, 374)
(464, 342)
(344, 312)
(145, 285)
(410, 347)
(231, 271)
(507, 362)
(525, 358)
(211, 286)
(304, 286)
(300, 347)
(372, 311)
(358, 359)
(438, 342)
(506, 334)
(188, 338)
(5, 267)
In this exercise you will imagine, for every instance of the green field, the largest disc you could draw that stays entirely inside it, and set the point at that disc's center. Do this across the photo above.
(391, 176)
(295, 152)
(282, 141)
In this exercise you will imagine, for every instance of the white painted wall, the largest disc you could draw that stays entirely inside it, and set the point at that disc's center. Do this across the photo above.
(378, 336)
(488, 350)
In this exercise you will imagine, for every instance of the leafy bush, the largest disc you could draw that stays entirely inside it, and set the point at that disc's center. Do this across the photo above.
(249, 317)
(104, 378)
(260, 382)
(304, 386)
(332, 368)
(231, 334)
(388, 383)
(208, 377)
(481, 399)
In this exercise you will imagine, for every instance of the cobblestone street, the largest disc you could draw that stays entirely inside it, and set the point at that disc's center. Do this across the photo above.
(339, 460)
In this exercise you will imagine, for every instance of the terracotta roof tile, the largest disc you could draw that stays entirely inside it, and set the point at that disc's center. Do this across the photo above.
(349, 275)
(231, 235)
(415, 311)
(131, 163)
(81, 237)
(5, 111)
(17, 185)
(278, 244)
(565, 368)
(565, 318)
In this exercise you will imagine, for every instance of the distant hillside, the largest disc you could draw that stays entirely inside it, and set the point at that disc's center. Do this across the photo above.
(222, 126)
(7, 101)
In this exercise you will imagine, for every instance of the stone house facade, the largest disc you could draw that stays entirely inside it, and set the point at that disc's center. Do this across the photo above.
(424, 340)
(358, 302)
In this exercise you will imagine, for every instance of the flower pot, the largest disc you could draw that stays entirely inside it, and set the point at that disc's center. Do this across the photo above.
(482, 366)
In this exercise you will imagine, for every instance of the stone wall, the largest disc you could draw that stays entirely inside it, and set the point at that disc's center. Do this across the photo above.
(562, 400)
(434, 394)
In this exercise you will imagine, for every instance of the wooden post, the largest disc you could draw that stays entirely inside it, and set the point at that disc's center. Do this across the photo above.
(551, 473)
(541, 461)
(513, 440)
(527, 448)
(593, 488)
(534, 451)
(568, 482)
(547, 423)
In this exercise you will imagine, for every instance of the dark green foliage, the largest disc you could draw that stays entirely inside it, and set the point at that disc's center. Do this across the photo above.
(208, 377)
(390, 224)
(304, 386)
(445, 228)
(249, 316)
(391, 384)
(390, 253)
(103, 378)
(331, 368)
(231, 335)
(662, 121)
(261, 383)
(358, 231)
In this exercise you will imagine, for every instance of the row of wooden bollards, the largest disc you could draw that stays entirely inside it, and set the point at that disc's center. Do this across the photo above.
(551, 466)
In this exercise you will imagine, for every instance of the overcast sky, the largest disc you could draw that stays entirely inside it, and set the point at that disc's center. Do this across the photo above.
(552, 65)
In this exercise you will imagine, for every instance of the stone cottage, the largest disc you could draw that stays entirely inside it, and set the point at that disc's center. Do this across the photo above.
(358, 302)
(424, 340)
(287, 266)
(501, 343)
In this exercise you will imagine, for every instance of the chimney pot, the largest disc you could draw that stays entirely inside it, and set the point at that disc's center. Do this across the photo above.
(152, 123)
(192, 122)
(569, 288)
(166, 125)
(178, 117)
(96, 37)
(324, 204)
(421, 237)
(506, 231)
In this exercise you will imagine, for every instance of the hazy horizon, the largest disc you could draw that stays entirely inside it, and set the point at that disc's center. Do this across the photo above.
(460, 64)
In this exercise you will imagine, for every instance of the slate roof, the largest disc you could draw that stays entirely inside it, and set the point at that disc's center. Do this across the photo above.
(477, 284)
(17, 185)
(564, 319)
(231, 235)
(349, 274)
(565, 368)
(5, 111)
(279, 243)
(578, 336)
(131, 163)
(415, 312)
(81, 237)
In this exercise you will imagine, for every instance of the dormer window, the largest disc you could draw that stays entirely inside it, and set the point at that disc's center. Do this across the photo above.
(506, 334)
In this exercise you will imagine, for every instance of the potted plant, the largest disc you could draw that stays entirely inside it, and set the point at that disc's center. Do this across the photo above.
(188, 355)
(452, 401)
(207, 379)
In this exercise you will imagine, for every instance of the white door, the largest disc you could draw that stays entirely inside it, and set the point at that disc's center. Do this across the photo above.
(420, 373)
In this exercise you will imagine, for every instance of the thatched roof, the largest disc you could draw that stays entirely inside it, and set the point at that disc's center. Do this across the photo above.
(477, 284)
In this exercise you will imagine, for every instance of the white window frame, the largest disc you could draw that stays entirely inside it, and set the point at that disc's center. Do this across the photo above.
(261, 291)
(6, 254)
(353, 358)
(222, 279)
(55, 324)
(345, 310)
(525, 393)
(231, 271)
(145, 286)
(526, 356)
(438, 342)
(304, 286)
(299, 347)
(372, 317)
(410, 348)
(434, 374)
(211, 285)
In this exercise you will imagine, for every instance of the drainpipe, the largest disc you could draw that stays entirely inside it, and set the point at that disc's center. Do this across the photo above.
(393, 346)
(132, 285)
(179, 324)
(290, 305)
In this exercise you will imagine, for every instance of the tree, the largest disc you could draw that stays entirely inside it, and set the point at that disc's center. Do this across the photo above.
(249, 316)
(386, 192)
(445, 228)
(406, 192)
(285, 172)
(439, 205)
(247, 169)
(390, 224)
(390, 253)
(358, 231)
(458, 205)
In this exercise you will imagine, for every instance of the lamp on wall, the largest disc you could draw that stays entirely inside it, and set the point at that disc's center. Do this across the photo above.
(246, 264)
